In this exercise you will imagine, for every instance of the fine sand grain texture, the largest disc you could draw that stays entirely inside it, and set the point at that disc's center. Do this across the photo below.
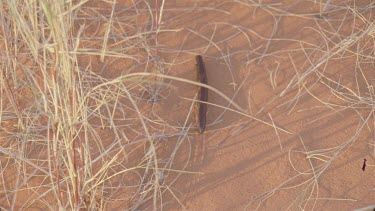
(99, 102)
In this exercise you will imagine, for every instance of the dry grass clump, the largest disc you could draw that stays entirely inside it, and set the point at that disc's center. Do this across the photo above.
(72, 138)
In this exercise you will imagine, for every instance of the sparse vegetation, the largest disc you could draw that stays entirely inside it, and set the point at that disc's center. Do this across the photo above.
(82, 82)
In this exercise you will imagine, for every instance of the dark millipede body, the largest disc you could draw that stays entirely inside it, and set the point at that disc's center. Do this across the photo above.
(202, 94)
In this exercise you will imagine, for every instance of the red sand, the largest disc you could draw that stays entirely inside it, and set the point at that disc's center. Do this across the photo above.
(238, 159)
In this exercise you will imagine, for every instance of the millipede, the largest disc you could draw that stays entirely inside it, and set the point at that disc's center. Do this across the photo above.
(202, 93)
